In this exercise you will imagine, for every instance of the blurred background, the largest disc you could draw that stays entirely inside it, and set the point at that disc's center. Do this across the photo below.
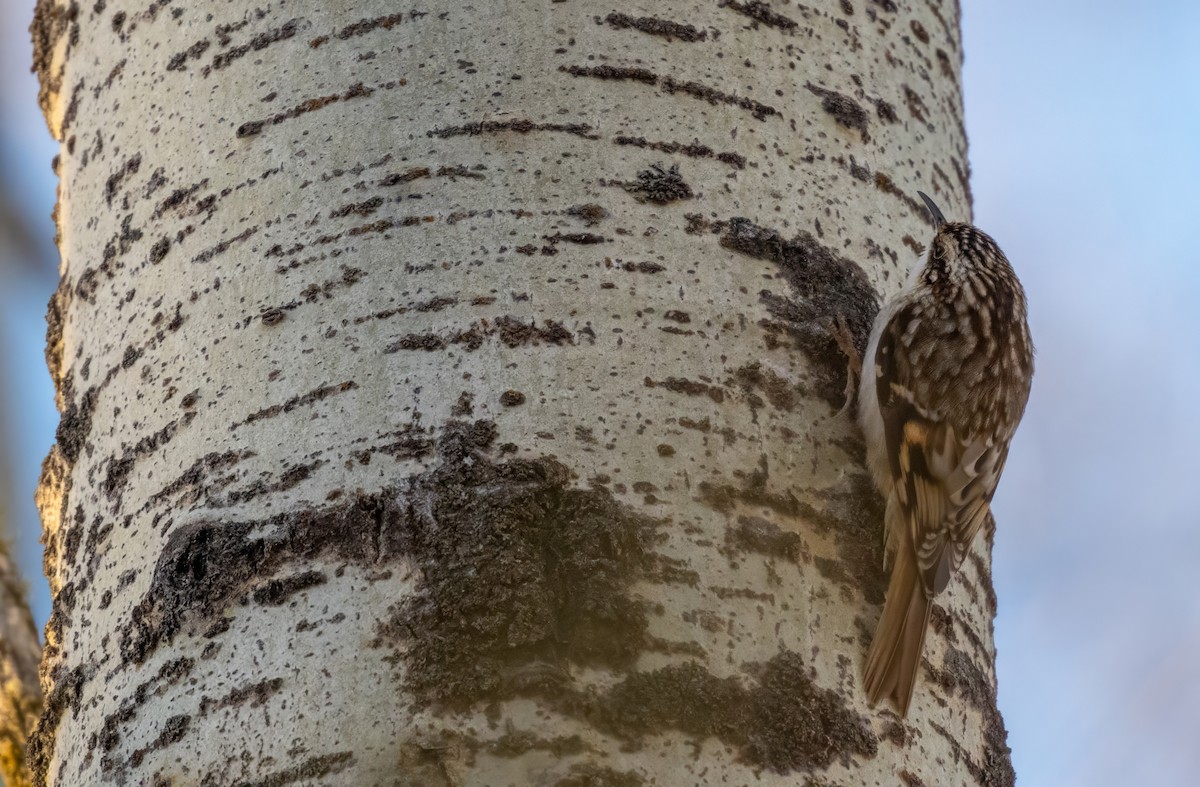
(1084, 123)
(28, 274)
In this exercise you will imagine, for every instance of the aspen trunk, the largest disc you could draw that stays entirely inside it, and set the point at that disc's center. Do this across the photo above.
(451, 393)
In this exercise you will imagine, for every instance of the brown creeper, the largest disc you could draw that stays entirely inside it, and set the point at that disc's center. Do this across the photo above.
(952, 362)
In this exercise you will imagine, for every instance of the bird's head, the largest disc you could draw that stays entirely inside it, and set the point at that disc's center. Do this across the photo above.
(959, 249)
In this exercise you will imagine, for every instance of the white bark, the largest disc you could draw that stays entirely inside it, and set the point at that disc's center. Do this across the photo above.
(424, 425)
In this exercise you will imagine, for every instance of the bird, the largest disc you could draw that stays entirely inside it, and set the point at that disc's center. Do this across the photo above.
(953, 364)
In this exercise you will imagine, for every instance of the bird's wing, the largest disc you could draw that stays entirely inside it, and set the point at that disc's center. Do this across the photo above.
(944, 481)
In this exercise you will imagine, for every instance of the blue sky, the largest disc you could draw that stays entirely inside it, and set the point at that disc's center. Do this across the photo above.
(1084, 124)
(1084, 121)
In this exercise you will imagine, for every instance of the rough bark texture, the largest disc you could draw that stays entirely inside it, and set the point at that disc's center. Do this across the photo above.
(450, 394)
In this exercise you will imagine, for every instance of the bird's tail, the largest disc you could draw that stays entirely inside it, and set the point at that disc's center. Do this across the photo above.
(895, 653)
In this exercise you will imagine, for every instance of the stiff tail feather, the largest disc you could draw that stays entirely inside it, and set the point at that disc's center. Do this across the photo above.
(895, 653)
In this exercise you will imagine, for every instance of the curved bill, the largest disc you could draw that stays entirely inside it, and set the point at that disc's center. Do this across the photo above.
(934, 211)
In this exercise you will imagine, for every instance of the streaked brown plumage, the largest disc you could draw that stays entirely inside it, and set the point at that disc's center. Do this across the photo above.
(952, 362)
